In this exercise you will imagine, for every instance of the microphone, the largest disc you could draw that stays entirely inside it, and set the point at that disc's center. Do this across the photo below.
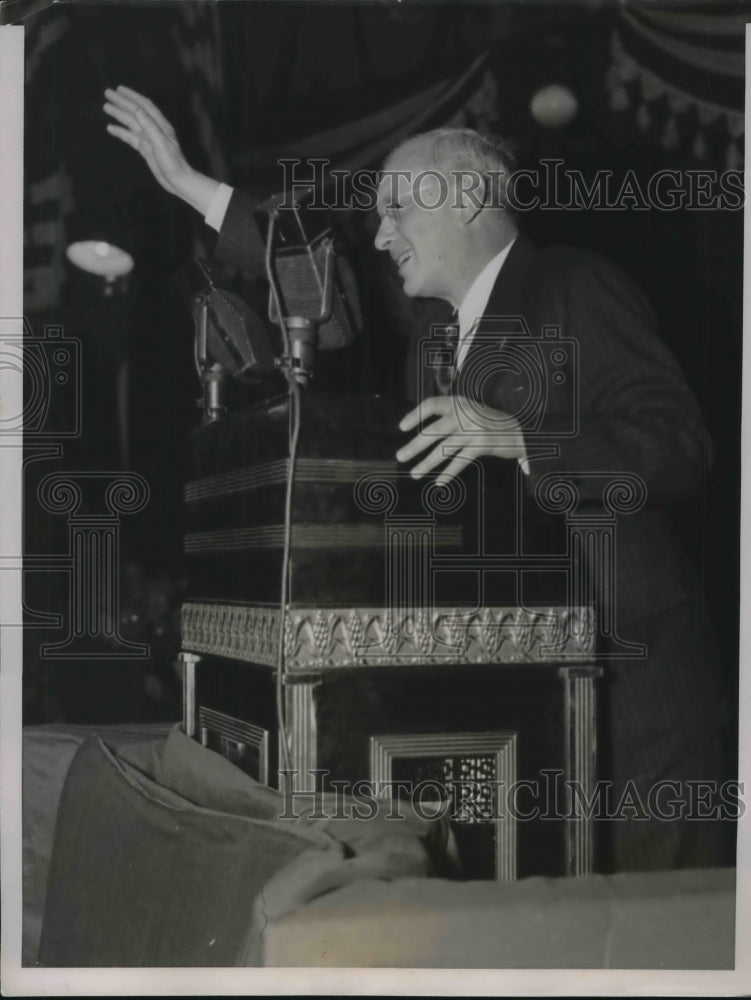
(314, 282)
(233, 335)
(237, 337)
(229, 340)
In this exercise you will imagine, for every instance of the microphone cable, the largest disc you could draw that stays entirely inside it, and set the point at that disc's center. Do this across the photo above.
(295, 402)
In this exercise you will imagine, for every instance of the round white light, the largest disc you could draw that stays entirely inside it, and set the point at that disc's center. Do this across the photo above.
(98, 257)
(554, 106)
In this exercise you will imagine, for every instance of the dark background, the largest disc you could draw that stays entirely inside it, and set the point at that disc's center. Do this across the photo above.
(288, 71)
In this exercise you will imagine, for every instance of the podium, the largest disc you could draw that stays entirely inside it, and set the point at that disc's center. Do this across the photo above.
(430, 647)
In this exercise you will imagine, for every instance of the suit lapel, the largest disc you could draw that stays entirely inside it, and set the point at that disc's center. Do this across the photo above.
(508, 296)
(503, 316)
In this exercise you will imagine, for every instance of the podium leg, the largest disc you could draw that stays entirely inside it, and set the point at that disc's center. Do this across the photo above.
(580, 727)
(302, 732)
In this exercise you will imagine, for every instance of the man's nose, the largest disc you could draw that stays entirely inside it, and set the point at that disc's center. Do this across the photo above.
(385, 233)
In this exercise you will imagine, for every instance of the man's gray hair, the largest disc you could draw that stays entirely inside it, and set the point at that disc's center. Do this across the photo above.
(457, 150)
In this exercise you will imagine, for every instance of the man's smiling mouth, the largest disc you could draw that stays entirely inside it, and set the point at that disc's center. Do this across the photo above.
(403, 258)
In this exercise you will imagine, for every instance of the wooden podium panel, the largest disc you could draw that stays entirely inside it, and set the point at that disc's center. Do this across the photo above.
(514, 731)
(351, 499)
(427, 638)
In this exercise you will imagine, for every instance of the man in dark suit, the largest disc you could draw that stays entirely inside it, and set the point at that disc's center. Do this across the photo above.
(445, 221)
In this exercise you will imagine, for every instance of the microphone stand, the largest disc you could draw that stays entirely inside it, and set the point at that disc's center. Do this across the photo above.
(298, 340)
(213, 376)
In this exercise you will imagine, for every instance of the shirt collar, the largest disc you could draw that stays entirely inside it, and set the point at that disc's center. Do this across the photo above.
(476, 300)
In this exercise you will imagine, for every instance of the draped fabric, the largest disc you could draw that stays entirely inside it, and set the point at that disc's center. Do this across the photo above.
(467, 99)
(680, 75)
(198, 46)
(199, 53)
(344, 85)
(176, 54)
(47, 179)
(76, 177)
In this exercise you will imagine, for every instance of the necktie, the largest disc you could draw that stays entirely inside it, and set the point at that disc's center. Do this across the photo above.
(444, 371)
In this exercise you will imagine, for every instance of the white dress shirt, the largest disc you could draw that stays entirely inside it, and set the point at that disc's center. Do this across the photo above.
(218, 208)
(475, 302)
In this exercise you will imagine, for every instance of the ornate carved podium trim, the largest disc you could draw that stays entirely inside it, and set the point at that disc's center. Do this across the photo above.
(232, 630)
(330, 638)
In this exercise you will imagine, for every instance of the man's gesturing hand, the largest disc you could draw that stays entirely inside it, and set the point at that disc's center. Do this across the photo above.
(144, 127)
(463, 430)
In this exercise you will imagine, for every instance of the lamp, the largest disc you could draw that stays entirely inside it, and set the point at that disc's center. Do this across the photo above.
(106, 269)
(104, 260)
(554, 106)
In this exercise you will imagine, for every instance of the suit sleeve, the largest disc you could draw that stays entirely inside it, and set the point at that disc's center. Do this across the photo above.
(239, 242)
(632, 410)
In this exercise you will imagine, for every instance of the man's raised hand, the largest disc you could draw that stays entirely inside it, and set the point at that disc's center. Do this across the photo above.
(142, 126)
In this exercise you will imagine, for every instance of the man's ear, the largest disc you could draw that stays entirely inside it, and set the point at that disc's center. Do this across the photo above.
(470, 194)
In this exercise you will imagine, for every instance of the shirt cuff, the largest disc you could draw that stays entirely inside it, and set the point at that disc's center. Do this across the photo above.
(218, 208)
(524, 464)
